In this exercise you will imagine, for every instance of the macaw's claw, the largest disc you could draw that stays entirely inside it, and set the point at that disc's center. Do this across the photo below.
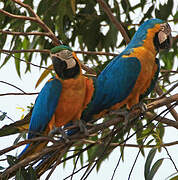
(59, 130)
(128, 115)
(125, 114)
(82, 127)
(142, 106)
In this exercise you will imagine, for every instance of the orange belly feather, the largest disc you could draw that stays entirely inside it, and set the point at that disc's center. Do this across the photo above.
(76, 94)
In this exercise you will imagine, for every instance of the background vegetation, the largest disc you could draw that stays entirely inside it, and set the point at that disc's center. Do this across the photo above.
(97, 30)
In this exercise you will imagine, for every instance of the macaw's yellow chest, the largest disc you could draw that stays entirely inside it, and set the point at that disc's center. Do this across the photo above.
(147, 58)
(71, 101)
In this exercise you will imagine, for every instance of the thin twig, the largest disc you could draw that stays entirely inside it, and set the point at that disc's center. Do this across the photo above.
(171, 159)
(47, 51)
(58, 161)
(169, 108)
(18, 94)
(75, 165)
(77, 171)
(132, 145)
(173, 111)
(37, 139)
(168, 91)
(13, 86)
(25, 51)
(100, 53)
(24, 33)
(124, 145)
(27, 61)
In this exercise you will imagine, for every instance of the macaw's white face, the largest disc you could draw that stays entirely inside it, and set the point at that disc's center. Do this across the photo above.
(67, 57)
(65, 65)
(164, 37)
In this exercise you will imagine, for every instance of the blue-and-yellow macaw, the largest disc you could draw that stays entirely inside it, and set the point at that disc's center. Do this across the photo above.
(132, 74)
(62, 99)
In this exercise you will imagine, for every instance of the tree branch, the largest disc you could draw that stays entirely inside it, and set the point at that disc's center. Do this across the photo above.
(55, 41)
(162, 120)
(26, 61)
(59, 146)
(18, 94)
(18, 16)
(131, 145)
(25, 33)
(13, 86)
(114, 20)
(25, 51)
(100, 53)
(172, 111)
(162, 102)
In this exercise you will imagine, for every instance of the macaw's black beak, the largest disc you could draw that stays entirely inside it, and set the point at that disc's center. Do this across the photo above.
(59, 66)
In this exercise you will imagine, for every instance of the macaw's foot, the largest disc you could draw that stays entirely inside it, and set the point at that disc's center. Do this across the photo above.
(59, 130)
(81, 125)
(125, 114)
(142, 106)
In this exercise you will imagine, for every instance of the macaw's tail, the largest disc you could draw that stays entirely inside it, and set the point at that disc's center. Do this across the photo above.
(31, 149)
(34, 147)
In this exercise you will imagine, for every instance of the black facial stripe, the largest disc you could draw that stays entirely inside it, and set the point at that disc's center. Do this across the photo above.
(61, 70)
(59, 66)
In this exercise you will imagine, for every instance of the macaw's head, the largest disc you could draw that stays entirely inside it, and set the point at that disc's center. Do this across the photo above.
(65, 63)
(153, 33)
(163, 38)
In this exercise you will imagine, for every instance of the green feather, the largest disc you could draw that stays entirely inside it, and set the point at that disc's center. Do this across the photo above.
(60, 48)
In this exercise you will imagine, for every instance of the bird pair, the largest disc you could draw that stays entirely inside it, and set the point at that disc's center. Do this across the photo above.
(128, 78)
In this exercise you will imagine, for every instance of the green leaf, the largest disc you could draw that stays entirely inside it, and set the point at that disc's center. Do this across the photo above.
(18, 138)
(19, 175)
(6, 60)
(2, 40)
(154, 169)
(11, 160)
(17, 64)
(2, 168)
(2, 117)
(31, 173)
(148, 162)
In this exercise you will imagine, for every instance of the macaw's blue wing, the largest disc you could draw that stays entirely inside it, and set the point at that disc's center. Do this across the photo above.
(44, 107)
(43, 110)
(113, 85)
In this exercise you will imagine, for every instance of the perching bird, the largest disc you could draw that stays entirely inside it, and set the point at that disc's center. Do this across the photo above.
(62, 99)
(132, 74)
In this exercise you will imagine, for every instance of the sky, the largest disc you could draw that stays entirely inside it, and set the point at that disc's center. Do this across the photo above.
(10, 104)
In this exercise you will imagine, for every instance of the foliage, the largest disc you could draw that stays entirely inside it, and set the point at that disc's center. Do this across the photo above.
(85, 24)
(75, 22)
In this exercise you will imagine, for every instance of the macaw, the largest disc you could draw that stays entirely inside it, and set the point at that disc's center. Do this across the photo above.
(62, 99)
(131, 75)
